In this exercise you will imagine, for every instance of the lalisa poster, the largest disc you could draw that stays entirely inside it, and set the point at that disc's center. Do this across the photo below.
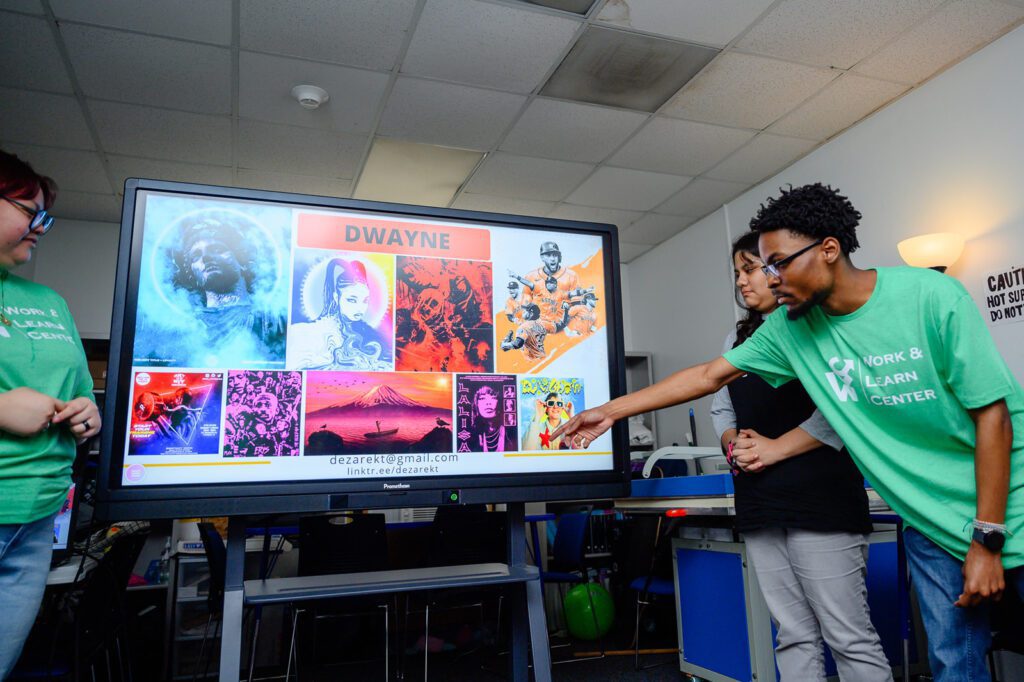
(486, 413)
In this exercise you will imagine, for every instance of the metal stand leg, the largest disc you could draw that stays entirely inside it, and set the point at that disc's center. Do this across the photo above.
(538, 632)
(528, 619)
(518, 665)
(426, 640)
(231, 636)
(291, 648)
(387, 644)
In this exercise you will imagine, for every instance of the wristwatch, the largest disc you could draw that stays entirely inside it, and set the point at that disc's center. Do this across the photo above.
(991, 539)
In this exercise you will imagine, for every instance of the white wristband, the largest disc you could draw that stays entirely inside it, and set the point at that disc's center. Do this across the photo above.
(987, 525)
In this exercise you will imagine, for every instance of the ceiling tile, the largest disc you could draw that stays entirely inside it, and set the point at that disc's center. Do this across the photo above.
(207, 21)
(702, 196)
(628, 252)
(844, 102)
(747, 91)
(265, 93)
(123, 167)
(411, 173)
(947, 36)
(654, 228)
(835, 33)
(130, 130)
(571, 131)
(128, 67)
(29, 55)
(84, 206)
(486, 44)
(593, 214)
(682, 147)
(26, 6)
(368, 33)
(624, 69)
(297, 184)
(527, 177)
(55, 120)
(284, 149)
(766, 154)
(78, 171)
(448, 114)
(622, 188)
(493, 204)
(709, 22)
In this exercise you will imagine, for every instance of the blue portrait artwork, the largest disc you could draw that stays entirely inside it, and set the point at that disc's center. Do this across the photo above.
(213, 285)
(341, 312)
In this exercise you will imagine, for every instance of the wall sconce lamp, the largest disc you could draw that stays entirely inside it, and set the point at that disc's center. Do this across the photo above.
(937, 250)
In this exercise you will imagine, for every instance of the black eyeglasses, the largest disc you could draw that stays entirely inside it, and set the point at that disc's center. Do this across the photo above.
(774, 269)
(555, 403)
(39, 219)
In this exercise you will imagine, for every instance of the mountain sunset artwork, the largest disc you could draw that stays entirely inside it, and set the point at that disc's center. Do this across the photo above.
(378, 412)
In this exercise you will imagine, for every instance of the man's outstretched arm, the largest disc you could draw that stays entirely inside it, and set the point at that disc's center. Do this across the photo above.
(683, 386)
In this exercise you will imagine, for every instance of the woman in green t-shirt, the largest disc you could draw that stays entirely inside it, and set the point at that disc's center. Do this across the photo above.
(45, 405)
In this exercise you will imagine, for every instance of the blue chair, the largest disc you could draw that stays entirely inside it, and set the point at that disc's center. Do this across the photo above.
(646, 555)
(645, 586)
(568, 564)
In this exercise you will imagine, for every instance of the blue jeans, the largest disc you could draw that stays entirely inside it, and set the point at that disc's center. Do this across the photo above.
(958, 638)
(25, 551)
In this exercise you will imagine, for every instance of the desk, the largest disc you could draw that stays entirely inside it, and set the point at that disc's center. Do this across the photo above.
(723, 625)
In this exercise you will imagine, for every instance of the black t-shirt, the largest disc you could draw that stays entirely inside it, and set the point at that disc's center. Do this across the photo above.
(819, 490)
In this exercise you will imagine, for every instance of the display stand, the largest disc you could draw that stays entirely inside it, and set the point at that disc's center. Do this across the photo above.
(529, 626)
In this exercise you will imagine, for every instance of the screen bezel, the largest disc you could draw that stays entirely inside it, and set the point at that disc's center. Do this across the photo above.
(115, 501)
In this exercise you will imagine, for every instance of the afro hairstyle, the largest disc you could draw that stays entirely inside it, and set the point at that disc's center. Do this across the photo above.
(814, 210)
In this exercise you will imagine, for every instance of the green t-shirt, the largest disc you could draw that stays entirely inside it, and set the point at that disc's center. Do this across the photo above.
(895, 379)
(41, 350)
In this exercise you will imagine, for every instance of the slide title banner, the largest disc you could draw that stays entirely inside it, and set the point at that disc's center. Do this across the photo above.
(362, 233)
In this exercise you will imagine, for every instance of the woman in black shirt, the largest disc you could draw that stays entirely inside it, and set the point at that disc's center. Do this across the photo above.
(801, 506)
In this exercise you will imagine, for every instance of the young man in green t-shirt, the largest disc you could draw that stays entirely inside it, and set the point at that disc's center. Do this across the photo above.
(900, 363)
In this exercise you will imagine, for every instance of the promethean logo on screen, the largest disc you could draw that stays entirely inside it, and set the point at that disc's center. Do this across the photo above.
(396, 486)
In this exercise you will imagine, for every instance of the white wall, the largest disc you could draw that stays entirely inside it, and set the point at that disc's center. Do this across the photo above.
(627, 313)
(681, 309)
(77, 259)
(948, 156)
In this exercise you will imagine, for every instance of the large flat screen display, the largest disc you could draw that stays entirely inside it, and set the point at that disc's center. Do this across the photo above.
(276, 352)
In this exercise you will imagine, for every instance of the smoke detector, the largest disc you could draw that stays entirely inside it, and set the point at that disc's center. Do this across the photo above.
(310, 96)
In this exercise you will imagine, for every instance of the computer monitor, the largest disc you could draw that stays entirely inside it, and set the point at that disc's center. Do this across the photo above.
(276, 353)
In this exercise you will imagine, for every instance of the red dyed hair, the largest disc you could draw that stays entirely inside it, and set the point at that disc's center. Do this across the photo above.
(19, 181)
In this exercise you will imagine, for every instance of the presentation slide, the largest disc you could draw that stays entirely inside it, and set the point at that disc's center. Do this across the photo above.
(282, 342)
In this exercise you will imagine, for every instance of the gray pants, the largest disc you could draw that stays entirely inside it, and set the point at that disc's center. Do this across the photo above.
(814, 585)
